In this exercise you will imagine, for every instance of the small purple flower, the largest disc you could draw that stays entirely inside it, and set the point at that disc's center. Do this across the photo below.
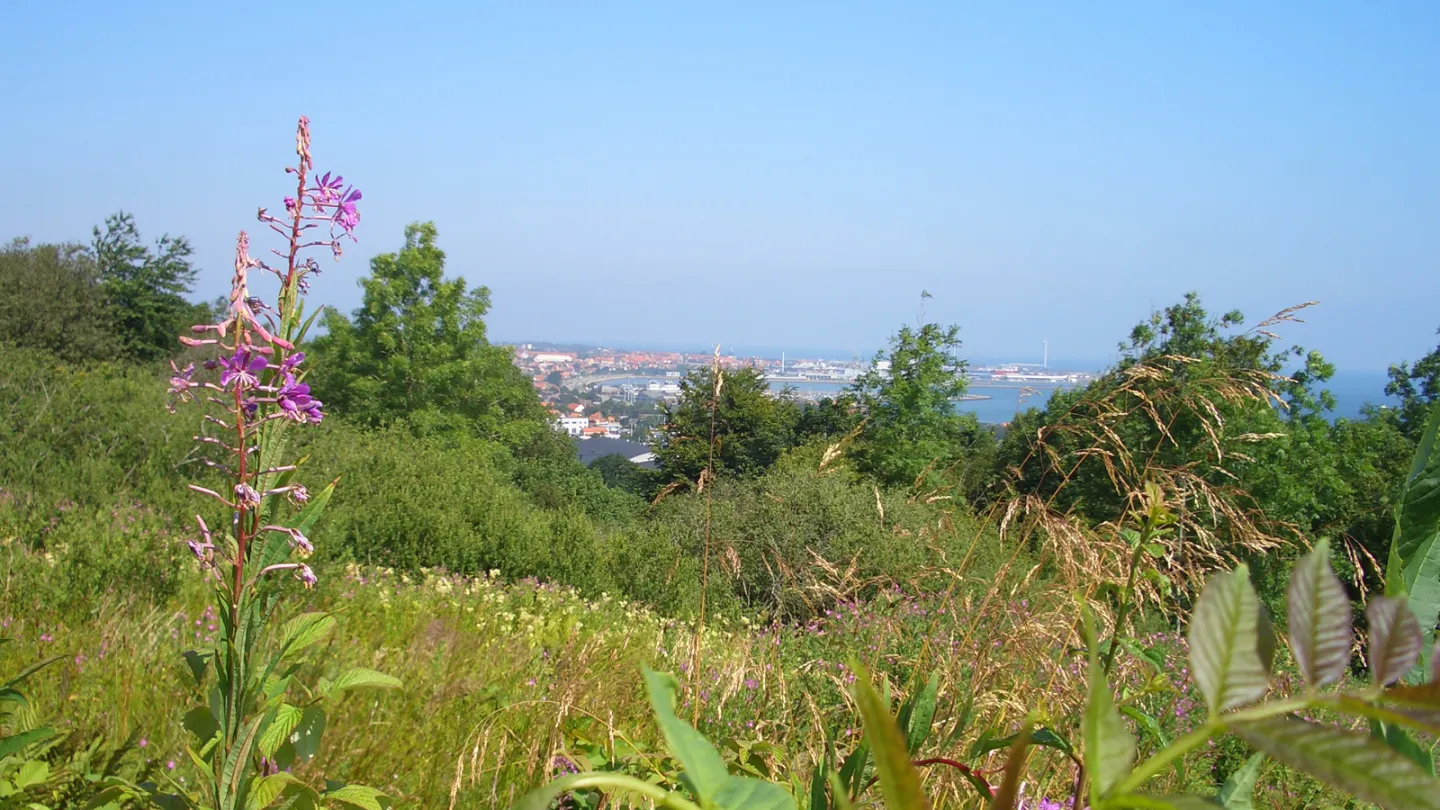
(327, 189)
(290, 205)
(170, 765)
(243, 367)
(299, 494)
(180, 379)
(247, 494)
(289, 363)
(296, 403)
(144, 741)
(347, 216)
(46, 638)
(306, 576)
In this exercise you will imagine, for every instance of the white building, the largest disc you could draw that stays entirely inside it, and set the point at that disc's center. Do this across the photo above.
(553, 358)
(572, 425)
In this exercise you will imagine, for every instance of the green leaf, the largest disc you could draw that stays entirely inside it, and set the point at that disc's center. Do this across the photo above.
(1041, 736)
(1109, 748)
(1394, 638)
(1145, 802)
(740, 793)
(201, 722)
(704, 769)
(899, 781)
(922, 714)
(1147, 722)
(1398, 739)
(305, 630)
(852, 770)
(198, 662)
(1229, 649)
(1319, 618)
(1238, 792)
(33, 772)
(286, 718)
(361, 678)
(16, 743)
(264, 790)
(1366, 768)
(366, 798)
(1414, 565)
(308, 733)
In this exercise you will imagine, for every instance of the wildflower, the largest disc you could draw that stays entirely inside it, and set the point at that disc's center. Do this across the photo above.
(289, 363)
(327, 189)
(306, 576)
(46, 638)
(144, 741)
(290, 205)
(170, 765)
(346, 215)
(247, 494)
(299, 494)
(180, 380)
(296, 403)
(242, 367)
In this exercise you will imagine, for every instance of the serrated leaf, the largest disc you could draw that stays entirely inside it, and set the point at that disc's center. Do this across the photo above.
(264, 790)
(1109, 747)
(922, 714)
(703, 766)
(739, 793)
(286, 718)
(1238, 792)
(361, 678)
(305, 630)
(32, 772)
(1394, 638)
(1356, 763)
(1229, 648)
(899, 781)
(1319, 618)
(366, 798)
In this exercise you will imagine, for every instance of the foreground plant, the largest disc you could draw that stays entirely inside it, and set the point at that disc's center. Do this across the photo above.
(257, 719)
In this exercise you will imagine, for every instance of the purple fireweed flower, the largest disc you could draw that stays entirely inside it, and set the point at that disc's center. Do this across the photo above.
(295, 401)
(243, 367)
(289, 363)
(180, 379)
(290, 204)
(247, 494)
(299, 494)
(347, 216)
(327, 189)
(306, 576)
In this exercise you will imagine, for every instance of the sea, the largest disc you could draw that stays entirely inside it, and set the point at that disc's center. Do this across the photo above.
(1352, 390)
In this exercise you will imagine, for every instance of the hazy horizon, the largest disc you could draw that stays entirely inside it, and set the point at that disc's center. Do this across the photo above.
(779, 175)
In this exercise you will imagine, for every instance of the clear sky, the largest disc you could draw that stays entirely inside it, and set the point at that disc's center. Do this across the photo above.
(777, 173)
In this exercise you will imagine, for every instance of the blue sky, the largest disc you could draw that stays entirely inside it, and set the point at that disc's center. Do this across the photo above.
(778, 174)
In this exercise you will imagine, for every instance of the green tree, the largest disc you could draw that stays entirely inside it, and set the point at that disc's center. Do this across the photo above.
(51, 299)
(750, 427)
(1417, 386)
(145, 288)
(913, 435)
(416, 351)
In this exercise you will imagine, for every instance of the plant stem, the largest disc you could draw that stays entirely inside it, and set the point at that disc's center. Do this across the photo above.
(1147, 530)
(661, 796)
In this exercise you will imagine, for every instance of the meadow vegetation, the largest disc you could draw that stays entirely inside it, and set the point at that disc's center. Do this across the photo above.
(784, 559)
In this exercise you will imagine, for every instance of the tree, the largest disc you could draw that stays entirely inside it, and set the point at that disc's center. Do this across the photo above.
(1417, 387)
(750, 427)
(913, 435)
(145, 289)
(51, 299)
(416, 351)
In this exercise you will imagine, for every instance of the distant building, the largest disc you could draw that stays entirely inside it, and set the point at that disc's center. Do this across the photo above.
(553, 358)
(573, 425)
(591, 449)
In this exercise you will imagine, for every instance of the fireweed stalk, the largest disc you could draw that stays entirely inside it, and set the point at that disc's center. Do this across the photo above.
(258, 720)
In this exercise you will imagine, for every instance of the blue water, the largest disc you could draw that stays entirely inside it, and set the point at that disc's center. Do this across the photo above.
(1352, 391)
